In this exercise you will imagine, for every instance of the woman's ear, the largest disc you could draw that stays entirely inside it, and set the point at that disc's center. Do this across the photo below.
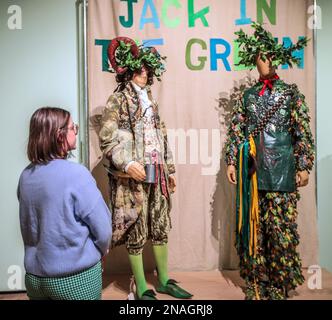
(59, 136)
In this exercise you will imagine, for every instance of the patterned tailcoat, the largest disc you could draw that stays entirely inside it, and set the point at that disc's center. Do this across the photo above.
(122, 136)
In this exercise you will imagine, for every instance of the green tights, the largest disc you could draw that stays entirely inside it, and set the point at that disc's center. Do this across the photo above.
(136, 262)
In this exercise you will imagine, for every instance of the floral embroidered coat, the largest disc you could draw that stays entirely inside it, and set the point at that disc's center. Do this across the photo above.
(122, 139)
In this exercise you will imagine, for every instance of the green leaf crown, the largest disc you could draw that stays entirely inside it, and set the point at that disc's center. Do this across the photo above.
(147, 56)
(263, 42)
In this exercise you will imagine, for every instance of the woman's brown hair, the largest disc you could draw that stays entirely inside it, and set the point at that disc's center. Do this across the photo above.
(47, 135)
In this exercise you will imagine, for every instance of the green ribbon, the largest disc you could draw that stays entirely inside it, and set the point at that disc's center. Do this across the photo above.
(242, 237)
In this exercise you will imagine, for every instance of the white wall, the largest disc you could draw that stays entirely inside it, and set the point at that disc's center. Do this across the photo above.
(324, 135)
(38, 67)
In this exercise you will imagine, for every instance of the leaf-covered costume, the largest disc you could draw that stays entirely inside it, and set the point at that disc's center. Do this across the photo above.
(284, 147)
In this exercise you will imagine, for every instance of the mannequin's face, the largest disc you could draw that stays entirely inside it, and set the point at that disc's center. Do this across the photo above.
(141, 79)
(265, 69)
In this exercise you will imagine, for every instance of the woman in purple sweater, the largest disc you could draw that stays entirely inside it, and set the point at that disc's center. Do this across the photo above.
(65, 223)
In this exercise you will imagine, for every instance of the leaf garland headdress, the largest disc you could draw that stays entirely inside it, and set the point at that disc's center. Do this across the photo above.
(263, 42)
(124, 54)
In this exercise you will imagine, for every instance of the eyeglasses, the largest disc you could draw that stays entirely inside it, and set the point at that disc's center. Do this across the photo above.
(74, 127)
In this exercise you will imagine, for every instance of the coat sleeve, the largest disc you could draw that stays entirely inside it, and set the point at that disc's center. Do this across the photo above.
(235, 133)
(303, 142)
(115, 143)
(168, 152)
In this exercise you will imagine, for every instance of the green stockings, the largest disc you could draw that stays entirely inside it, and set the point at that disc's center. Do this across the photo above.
(161, 256)
(136, 262)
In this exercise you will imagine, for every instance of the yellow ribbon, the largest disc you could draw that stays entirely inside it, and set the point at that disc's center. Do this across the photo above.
(254, 217)
(253, 206)
(254, 211)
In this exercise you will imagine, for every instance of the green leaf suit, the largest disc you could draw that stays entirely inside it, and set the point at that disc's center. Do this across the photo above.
(284, 147)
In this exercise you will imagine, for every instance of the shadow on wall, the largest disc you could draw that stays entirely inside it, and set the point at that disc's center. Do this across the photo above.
(223, 203)
(117, 260)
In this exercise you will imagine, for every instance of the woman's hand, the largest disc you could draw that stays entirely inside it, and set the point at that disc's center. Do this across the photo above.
(231, 174)
(136, 171)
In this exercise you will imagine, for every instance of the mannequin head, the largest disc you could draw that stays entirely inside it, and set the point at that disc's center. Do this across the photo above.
(265, 68)
(141, 77)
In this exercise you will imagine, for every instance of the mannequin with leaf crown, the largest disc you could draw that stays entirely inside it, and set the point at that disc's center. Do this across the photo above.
(269, 154)
(141, 170)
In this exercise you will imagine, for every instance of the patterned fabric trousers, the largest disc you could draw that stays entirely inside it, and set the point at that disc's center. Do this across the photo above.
(85, 285)
(153, 223)
(276, 269)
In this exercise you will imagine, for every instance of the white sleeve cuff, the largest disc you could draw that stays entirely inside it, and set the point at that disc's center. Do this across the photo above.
(128, 165)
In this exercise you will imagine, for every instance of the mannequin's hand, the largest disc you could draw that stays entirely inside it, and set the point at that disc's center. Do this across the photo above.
(231, 174)
(136, 171)
(172, 183)
(302, 178)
